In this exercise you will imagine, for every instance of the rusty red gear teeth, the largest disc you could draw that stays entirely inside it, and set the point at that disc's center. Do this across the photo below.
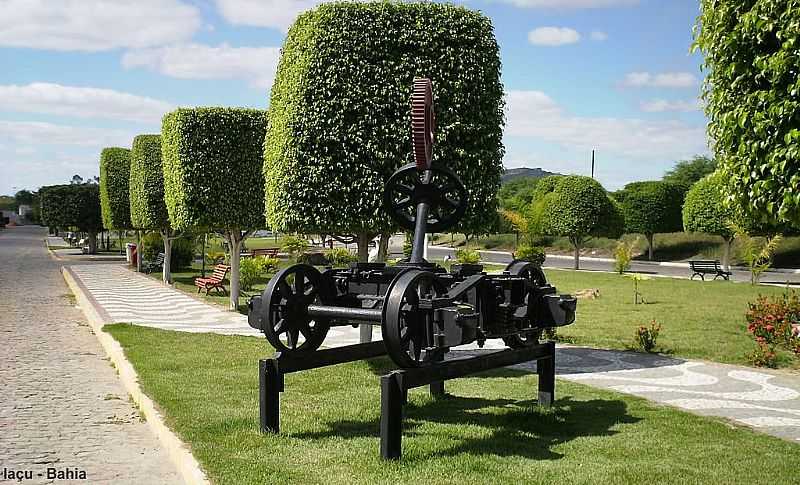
(423, 122)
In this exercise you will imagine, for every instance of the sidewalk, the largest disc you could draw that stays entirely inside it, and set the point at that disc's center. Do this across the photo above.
(767, 401)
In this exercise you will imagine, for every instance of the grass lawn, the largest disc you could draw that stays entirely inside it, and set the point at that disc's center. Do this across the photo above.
(700, 319)
(493, 432)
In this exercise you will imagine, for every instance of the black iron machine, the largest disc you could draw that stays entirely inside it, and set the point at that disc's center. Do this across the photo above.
(422, 309)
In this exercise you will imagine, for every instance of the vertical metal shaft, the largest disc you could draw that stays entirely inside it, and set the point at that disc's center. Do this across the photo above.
(421, 225)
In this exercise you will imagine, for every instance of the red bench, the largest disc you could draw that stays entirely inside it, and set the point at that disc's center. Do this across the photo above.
(268, 252)
(213, 282)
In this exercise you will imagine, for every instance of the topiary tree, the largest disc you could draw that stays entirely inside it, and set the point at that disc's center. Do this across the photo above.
(705, 211)
(340, 113)
(115, 169)
(751, 54)
(577, 208)
(652, 207)
(148, 210)
(73, 206)
(212, 161)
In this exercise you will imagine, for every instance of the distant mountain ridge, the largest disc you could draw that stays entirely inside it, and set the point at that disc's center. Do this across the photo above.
(515, 173)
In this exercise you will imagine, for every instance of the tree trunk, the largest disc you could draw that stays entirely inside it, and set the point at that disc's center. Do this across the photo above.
(649, 246)
(577, 246)
(138, 251)
(235, 237)
(92, 242)
(166, 272)
(362, 242)
(726, 255)
(383, 247)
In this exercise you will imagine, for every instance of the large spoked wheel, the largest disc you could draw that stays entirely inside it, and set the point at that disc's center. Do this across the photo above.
(534, 276)
(444, 192)
(286, 322)
(404, 323)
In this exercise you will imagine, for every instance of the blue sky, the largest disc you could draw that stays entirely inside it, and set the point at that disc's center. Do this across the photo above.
(79, 75)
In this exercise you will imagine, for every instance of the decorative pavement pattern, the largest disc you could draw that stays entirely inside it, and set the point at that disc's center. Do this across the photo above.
(769, 402)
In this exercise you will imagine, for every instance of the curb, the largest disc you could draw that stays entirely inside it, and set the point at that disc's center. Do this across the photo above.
(178, 451)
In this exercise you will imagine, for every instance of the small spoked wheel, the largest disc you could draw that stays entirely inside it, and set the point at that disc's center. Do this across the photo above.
(404, 324)
(440, 188)
(534, 276)
(286, 322)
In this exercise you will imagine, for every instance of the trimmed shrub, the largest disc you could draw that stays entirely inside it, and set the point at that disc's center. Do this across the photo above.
(212, 161)
(704, 210)
(294, 245)
(341, 257)
(341, 112)
(652, 207)
(534, 254)
(147, 207)
(750, 54)
(251, 269)
(115, 171)
(468, 256)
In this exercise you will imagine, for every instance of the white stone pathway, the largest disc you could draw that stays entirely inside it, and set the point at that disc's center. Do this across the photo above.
(769, 402)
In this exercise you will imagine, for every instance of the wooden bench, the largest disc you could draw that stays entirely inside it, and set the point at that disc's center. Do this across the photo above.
(268, 252)
(213, 282)
(704, 267)
(150, 266)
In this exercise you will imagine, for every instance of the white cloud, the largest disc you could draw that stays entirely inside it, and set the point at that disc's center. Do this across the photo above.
(571, 3)
(81, 102)
(278, 14)
(553, 36)
(598, 35)
(41, 133)
(659, 80)
(256, 65)
(95, 25)
(663, 105)
(534, 114)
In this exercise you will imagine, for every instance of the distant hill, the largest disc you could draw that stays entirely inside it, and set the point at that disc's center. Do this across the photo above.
(515, 173)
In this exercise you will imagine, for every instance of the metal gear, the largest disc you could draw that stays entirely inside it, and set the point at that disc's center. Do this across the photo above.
(423, 122)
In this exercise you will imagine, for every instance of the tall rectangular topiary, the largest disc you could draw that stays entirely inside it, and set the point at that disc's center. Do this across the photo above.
(212, 160)
(148, 210)
(147, 207)
(340, 112)
(115, 169)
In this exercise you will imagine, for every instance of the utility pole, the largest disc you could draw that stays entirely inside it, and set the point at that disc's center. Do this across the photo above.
(592, 162)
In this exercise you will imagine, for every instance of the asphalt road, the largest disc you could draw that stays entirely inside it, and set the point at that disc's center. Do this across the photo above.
(592, 264)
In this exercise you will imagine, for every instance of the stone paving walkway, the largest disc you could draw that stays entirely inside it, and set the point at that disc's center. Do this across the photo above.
(61, 403)
(769, 402)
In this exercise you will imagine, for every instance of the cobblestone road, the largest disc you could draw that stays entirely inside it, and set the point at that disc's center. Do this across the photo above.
(61, 404)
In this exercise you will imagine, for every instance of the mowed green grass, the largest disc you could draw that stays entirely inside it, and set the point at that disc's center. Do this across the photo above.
(489, 431)
(699, 319)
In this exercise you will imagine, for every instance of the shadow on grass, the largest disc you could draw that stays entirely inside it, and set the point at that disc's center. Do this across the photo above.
(515, 428)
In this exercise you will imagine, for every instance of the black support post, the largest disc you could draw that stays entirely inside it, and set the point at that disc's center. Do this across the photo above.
(270, 386)
(546, 368)
(391, 417)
